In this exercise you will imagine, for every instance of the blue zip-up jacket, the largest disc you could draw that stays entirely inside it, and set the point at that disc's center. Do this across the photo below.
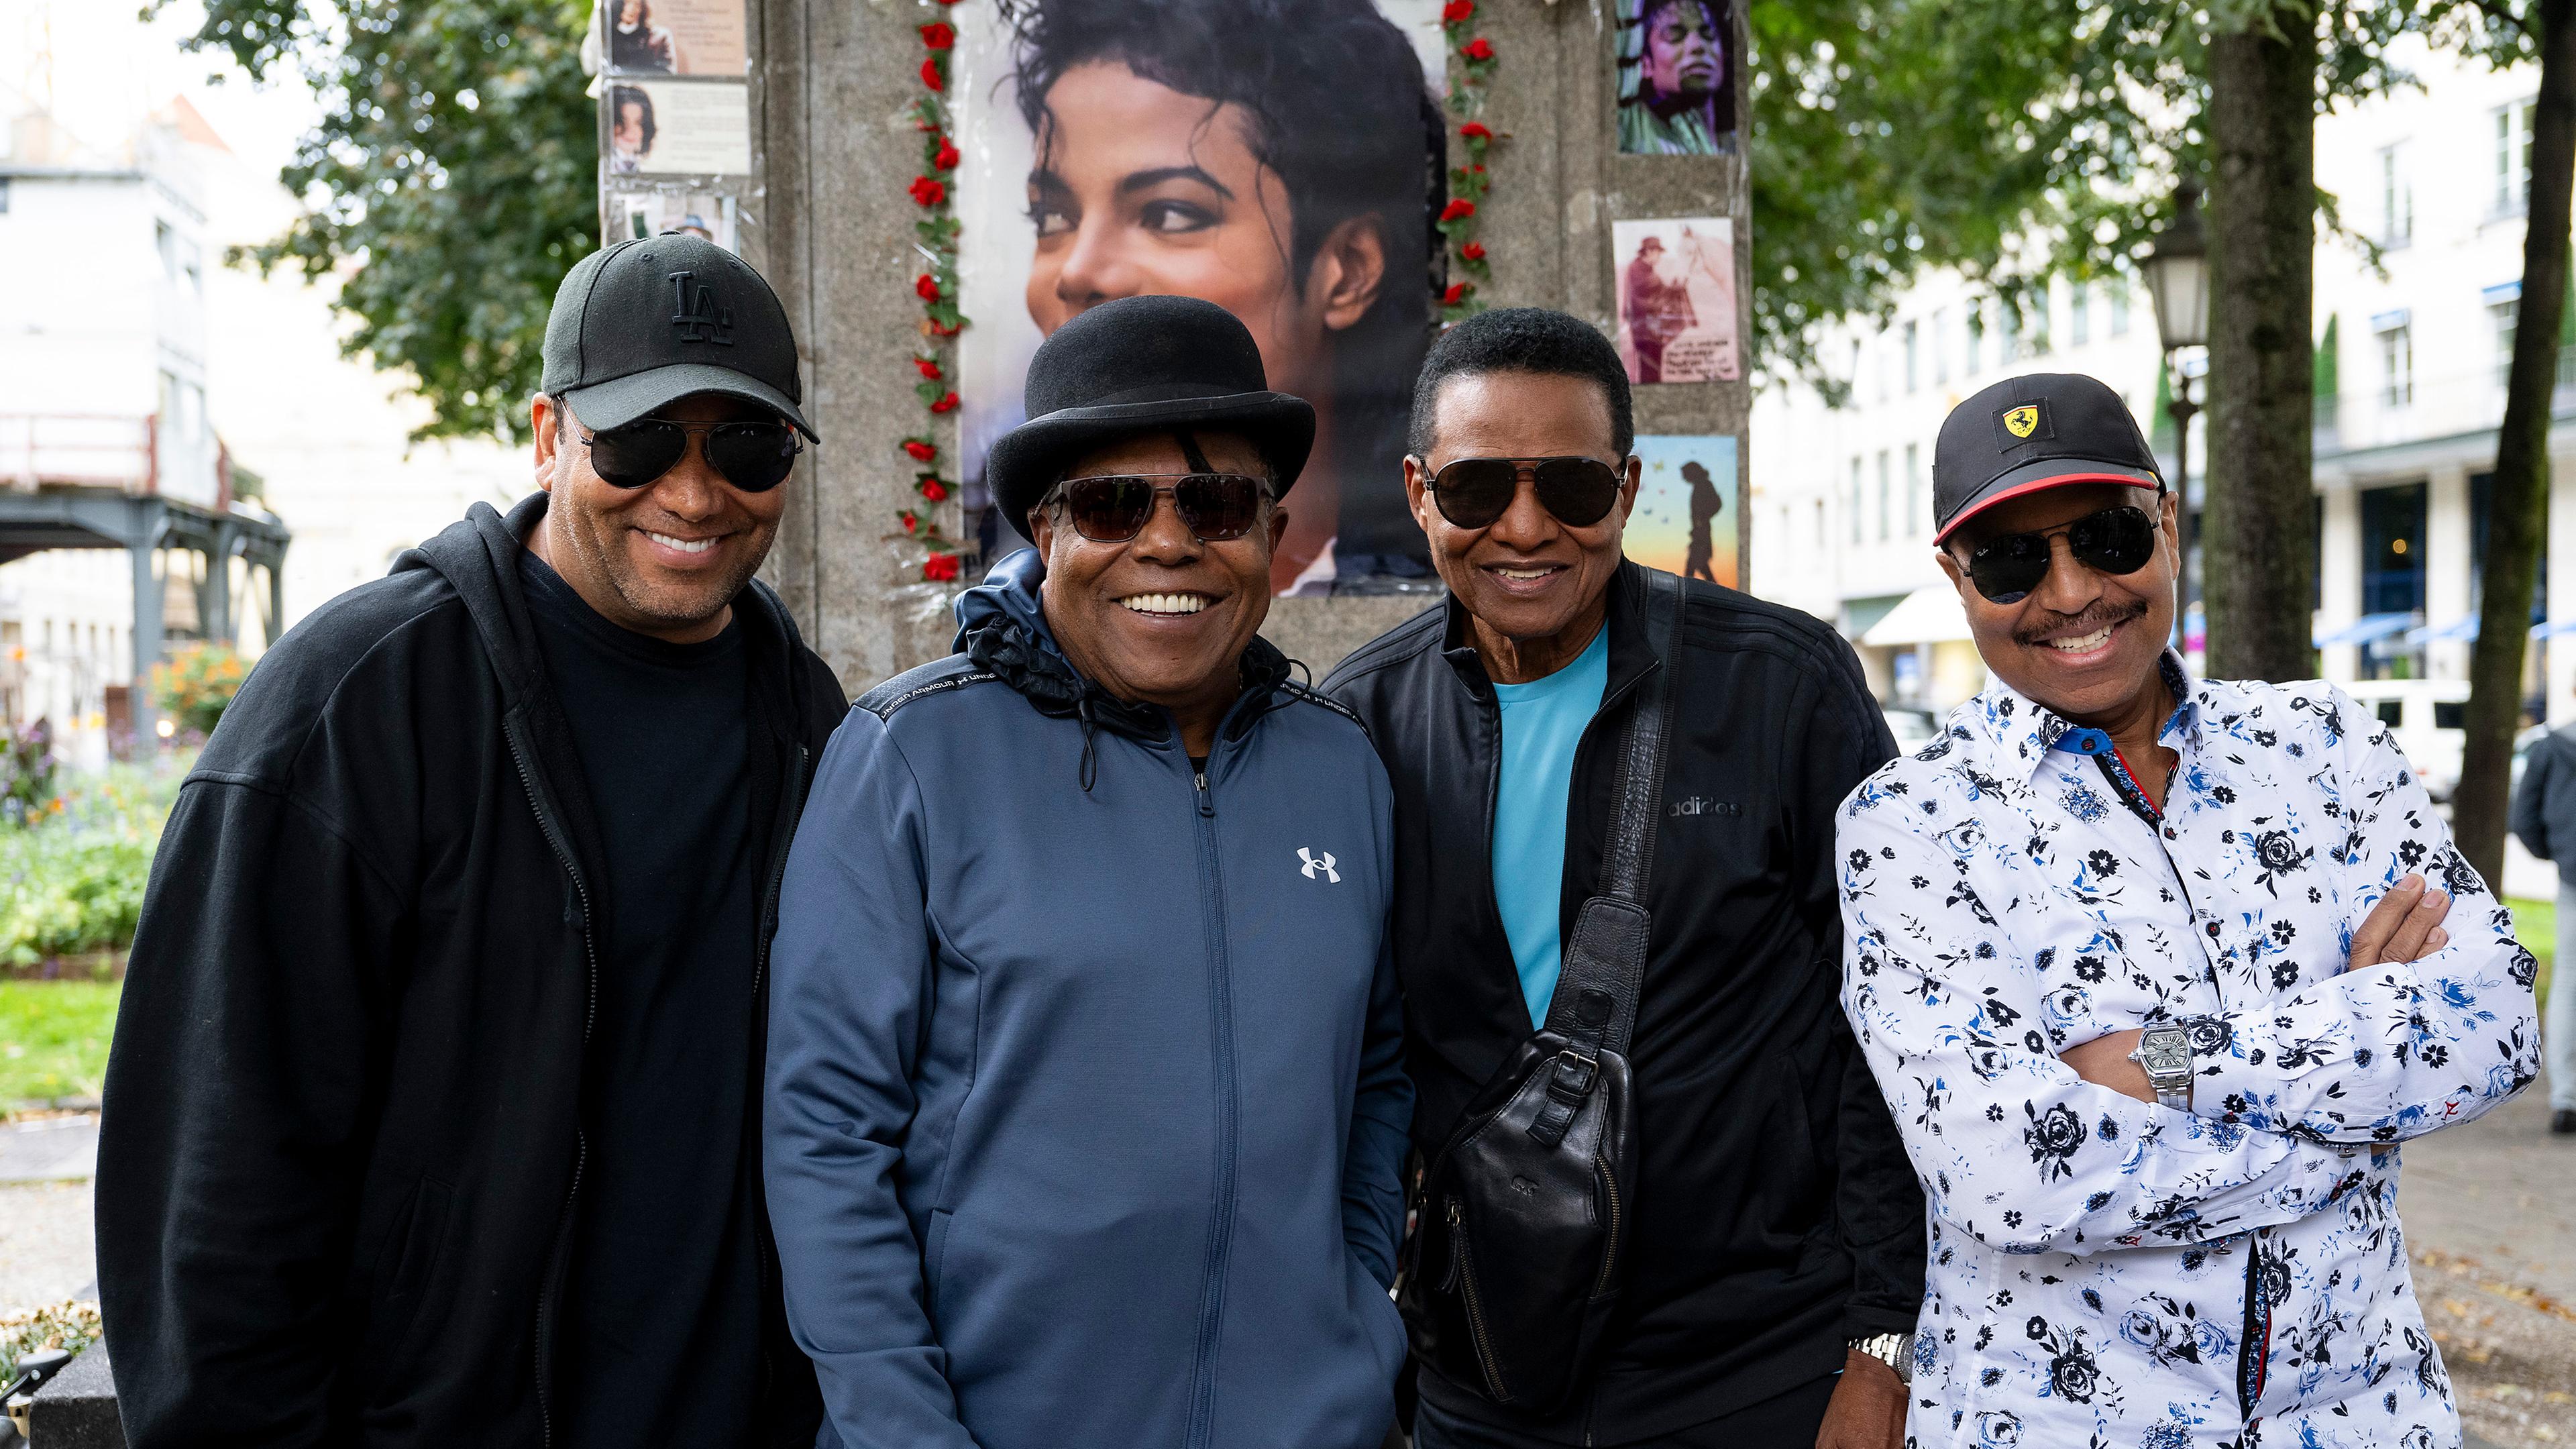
(1085, 1119)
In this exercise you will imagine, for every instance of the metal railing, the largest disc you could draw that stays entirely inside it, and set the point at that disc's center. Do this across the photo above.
(92, 450)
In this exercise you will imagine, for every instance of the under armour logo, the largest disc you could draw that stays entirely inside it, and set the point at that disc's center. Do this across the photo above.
(1323, 862)
(695, 314)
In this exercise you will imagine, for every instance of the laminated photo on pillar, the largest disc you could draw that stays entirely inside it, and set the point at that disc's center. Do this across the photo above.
(1676, 79)
(1281, 158)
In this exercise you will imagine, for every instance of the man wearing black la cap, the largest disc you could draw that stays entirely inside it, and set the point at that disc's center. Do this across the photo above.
(435, 1076)
(2156, 973)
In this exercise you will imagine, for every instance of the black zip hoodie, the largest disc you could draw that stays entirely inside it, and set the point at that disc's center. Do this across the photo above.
(342, 1141)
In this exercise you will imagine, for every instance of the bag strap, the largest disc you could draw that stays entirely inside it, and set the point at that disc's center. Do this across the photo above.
(1595, 1005)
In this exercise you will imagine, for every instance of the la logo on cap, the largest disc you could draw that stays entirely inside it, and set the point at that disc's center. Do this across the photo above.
(696, 315)
(2022, 421)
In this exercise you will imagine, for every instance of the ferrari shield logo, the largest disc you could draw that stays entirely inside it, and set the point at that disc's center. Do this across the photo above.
(2021, 420)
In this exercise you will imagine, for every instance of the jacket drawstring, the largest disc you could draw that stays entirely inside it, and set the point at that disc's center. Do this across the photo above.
(1090, 773)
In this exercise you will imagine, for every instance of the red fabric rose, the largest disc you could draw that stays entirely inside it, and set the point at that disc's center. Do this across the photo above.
(929, 367)
(939, 568)
(947, 158)
(921, 452)
(1476, 131)
(939, 35)
(927, 191)
(934, 490)
(1458, 208)
(1479, 49)
(946, 404)
(1457, 293)
(1473, 251)
(926, 287)
(1457, 10)
(930, 75)
(911, 521)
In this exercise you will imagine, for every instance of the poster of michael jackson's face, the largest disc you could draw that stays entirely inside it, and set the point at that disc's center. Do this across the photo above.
(1676, 88)
(1281, 158)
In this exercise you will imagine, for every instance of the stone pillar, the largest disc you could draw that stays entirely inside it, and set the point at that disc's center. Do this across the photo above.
(829, 223)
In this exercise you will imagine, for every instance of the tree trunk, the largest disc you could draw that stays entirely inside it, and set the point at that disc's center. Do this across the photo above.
(2517, 510)
(2258, 539)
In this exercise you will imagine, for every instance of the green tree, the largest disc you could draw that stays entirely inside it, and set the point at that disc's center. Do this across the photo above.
(450, 184)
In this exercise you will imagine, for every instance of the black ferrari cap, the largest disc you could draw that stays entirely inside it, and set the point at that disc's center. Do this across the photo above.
(2024, 434)
(652, 320)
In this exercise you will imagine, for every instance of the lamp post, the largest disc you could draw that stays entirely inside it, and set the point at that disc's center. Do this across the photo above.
(2177, 272)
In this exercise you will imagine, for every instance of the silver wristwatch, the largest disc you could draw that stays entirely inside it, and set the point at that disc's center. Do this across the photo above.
(2165, 1051)
(1896, 1350)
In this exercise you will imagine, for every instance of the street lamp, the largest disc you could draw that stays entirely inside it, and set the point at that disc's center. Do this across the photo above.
(2177, 270)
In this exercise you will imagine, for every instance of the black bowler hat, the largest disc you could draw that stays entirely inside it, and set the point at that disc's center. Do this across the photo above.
(2025, 434)
(1144, 365)
(646, 322)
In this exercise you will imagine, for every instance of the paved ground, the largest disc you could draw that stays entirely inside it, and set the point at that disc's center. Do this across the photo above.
(45, 1250)
(2490, 1210)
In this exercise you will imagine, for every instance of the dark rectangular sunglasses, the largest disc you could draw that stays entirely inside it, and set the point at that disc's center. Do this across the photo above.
(1214, 507)
(1473, 492)
(753, 456)
(2116, 541)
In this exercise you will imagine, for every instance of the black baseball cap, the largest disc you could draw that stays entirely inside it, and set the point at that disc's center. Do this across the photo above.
(651, 320)
(2025, 434)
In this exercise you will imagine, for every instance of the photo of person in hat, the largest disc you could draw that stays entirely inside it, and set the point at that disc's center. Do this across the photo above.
(2157, 973)
(433, 1090)
(1084, 1123)
(1281, 158)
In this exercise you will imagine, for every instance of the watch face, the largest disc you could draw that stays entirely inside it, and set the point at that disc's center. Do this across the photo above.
(2165, 1053)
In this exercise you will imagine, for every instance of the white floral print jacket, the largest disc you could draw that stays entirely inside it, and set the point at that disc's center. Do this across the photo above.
(2105, 1271)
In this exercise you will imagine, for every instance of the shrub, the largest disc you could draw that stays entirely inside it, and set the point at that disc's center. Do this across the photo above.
(70, 1324)
(196, 684)
(75, 882)
(27, 769)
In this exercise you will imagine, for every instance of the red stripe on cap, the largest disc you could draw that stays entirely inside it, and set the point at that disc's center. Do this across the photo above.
(2054, 480)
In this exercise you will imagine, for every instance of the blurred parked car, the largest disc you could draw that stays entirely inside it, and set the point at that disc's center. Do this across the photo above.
(2429, 719)
(1914, 728)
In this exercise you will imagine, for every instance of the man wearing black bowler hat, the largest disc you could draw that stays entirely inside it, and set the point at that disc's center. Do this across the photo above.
(1085, 1119)
(2158, 973)
(434, 1090)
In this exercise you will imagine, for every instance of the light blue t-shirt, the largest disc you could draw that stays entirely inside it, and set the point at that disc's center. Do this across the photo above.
(1543, 721)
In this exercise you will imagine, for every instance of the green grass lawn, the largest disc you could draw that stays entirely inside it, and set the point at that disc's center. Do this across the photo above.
(53, 1038)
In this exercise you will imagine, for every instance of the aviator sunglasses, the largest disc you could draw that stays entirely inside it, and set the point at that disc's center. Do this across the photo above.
(1473, 492)
(2116, 541)
(1214, 507)
(752, 456)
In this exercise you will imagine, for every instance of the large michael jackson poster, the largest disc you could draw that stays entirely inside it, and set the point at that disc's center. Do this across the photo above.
(1282, 158)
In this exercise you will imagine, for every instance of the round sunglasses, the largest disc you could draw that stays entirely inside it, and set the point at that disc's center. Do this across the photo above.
(752, 456)
(1214, 507)
(2116, 541)
(1473, 492)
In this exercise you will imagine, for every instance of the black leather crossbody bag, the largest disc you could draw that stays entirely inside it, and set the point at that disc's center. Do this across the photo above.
(1520, 1249)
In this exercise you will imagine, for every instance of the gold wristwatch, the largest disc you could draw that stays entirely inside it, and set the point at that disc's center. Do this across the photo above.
(1896, 1350)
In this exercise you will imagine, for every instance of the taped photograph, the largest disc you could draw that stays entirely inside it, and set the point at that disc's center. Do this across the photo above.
(1676, 86)
(707, 214)
(1675, 284)
(670, 37)
(678, 128)
(1687, 507)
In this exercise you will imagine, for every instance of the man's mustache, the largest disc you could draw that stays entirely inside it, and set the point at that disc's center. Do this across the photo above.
(2095, 615)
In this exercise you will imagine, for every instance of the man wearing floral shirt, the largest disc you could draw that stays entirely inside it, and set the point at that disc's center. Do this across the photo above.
(2156, 973)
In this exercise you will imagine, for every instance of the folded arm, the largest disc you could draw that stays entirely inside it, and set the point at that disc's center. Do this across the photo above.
(2011, 1145)
(2394, 1048)
(851, 976)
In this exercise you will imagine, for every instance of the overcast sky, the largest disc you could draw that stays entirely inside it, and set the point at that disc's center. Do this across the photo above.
(103, 70)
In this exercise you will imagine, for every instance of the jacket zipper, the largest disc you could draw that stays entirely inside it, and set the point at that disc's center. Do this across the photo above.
(793, 802)
(1221, 1211)
(1610, 1240)
(1465, 1272)
(553, 831)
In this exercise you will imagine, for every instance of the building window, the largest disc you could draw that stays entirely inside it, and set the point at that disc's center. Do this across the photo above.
(2041, 305)
(1913, 491)
(2008, 318)
(1976, 338)
(1912, 353)
(1856, 515)
(2120, 307)
(1883, 520)
(2396, 199)
(2503, 315)
(1941, 346)
(1820, 525)
(2079, 314)
(2397, 365)
(2513, 158)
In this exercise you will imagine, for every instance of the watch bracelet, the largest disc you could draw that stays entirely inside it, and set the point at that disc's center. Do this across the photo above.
(1896, 1350)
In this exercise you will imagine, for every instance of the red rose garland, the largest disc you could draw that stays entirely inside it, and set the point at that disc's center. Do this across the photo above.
(933, 192)
(1471, 70)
